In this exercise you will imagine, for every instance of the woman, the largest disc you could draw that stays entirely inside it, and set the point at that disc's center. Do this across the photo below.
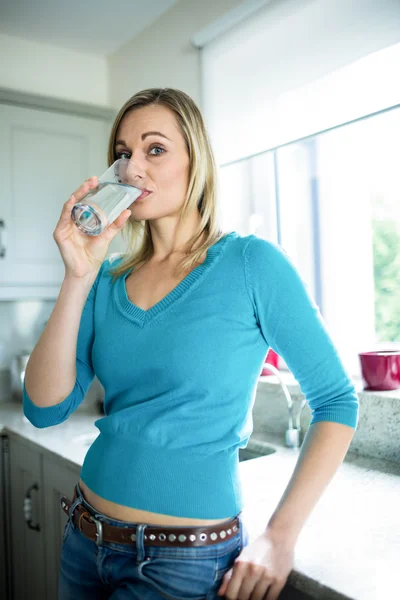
(177, 331)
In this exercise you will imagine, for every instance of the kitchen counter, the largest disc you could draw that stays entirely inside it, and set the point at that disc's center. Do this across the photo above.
(59, 439)
(350, 545)
(348, 549)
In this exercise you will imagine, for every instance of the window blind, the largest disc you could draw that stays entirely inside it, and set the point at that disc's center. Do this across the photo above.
(268, 80)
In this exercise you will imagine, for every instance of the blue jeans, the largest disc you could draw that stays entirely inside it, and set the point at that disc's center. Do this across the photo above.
(138, 572)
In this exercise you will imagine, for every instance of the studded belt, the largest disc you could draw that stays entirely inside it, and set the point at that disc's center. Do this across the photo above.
(155, 535)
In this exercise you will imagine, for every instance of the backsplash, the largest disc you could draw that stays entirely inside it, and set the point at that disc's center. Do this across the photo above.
(376, 435)
(21, 325)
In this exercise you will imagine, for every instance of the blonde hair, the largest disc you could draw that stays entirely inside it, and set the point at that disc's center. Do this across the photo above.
(201, 192)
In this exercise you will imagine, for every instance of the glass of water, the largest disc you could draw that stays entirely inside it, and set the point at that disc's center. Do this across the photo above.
(101, 206)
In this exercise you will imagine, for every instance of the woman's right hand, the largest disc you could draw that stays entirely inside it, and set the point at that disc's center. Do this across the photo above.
(83, 254)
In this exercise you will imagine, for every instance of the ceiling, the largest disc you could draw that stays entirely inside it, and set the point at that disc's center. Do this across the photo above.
(93, 26)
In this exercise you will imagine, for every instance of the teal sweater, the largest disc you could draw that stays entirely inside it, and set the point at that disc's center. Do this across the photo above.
(180, 378)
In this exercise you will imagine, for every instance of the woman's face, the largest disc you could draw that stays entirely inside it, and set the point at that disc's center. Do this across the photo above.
(150, 137)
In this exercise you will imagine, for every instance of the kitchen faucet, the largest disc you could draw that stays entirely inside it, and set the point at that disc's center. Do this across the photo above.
(292, 434)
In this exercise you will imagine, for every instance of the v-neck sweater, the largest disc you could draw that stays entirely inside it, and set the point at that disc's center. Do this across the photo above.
(180, 378)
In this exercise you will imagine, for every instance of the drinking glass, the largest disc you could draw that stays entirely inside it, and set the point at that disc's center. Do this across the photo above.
(101, 206)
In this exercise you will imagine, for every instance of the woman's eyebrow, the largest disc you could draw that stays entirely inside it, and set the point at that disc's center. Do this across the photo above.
(144, 136)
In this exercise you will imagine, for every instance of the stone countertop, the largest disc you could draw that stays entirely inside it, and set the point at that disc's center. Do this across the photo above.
(348, 549)
(350, 545)
(59, 439)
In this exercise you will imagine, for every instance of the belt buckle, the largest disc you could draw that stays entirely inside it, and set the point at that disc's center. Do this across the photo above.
(99, 530)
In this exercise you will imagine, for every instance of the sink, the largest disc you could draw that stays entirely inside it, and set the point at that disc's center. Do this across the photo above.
(255, 452)
(85, 438)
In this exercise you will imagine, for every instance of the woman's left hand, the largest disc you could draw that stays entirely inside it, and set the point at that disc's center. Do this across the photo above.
(260, 571)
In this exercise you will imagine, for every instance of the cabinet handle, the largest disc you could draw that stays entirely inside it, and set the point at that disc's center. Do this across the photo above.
(2, 245)
(28, 507)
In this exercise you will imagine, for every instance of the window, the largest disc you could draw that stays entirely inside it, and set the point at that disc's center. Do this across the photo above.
(301, 100)
(333, 202)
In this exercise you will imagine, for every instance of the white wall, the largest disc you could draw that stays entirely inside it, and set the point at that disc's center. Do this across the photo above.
(161, 55)
(47, 70)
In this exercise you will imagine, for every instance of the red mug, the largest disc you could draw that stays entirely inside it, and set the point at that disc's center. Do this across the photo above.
(380, 369)
(272, 358)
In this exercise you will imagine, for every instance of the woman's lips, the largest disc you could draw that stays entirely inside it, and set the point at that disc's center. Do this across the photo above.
(144, 194)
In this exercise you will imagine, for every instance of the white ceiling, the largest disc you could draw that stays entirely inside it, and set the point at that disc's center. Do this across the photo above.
(96, 27)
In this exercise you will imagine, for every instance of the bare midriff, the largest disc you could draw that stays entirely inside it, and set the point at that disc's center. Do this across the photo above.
(135, 515)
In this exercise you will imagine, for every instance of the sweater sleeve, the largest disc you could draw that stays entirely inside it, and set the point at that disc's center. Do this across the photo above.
(46, 416)
(293, 327)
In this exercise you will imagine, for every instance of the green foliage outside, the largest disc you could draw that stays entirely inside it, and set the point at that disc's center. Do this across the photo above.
(386, 248)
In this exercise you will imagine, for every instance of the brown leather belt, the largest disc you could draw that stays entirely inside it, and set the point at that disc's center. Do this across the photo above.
(155, 535)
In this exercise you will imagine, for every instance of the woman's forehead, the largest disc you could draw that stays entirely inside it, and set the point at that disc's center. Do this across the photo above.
(148, 118)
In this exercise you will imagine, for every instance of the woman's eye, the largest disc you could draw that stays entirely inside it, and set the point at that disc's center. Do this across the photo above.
(123, 155)
(157, 148)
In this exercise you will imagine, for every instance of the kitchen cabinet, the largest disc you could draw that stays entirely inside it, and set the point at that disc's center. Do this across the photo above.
(59, 481)
(44, 156)
(27, 521)
(37, 482)
(5, 553)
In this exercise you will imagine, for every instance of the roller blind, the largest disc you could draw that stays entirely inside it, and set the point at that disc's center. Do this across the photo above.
(297, 67)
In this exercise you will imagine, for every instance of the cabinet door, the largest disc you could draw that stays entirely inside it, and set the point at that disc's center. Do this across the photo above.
(59, 480)
(44, 157)
(27, 521)
(4, 525)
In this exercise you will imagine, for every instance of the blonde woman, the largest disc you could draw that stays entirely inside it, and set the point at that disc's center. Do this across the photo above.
(177, 331)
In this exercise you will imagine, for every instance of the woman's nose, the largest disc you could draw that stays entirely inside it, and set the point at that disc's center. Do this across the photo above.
(132, 172)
